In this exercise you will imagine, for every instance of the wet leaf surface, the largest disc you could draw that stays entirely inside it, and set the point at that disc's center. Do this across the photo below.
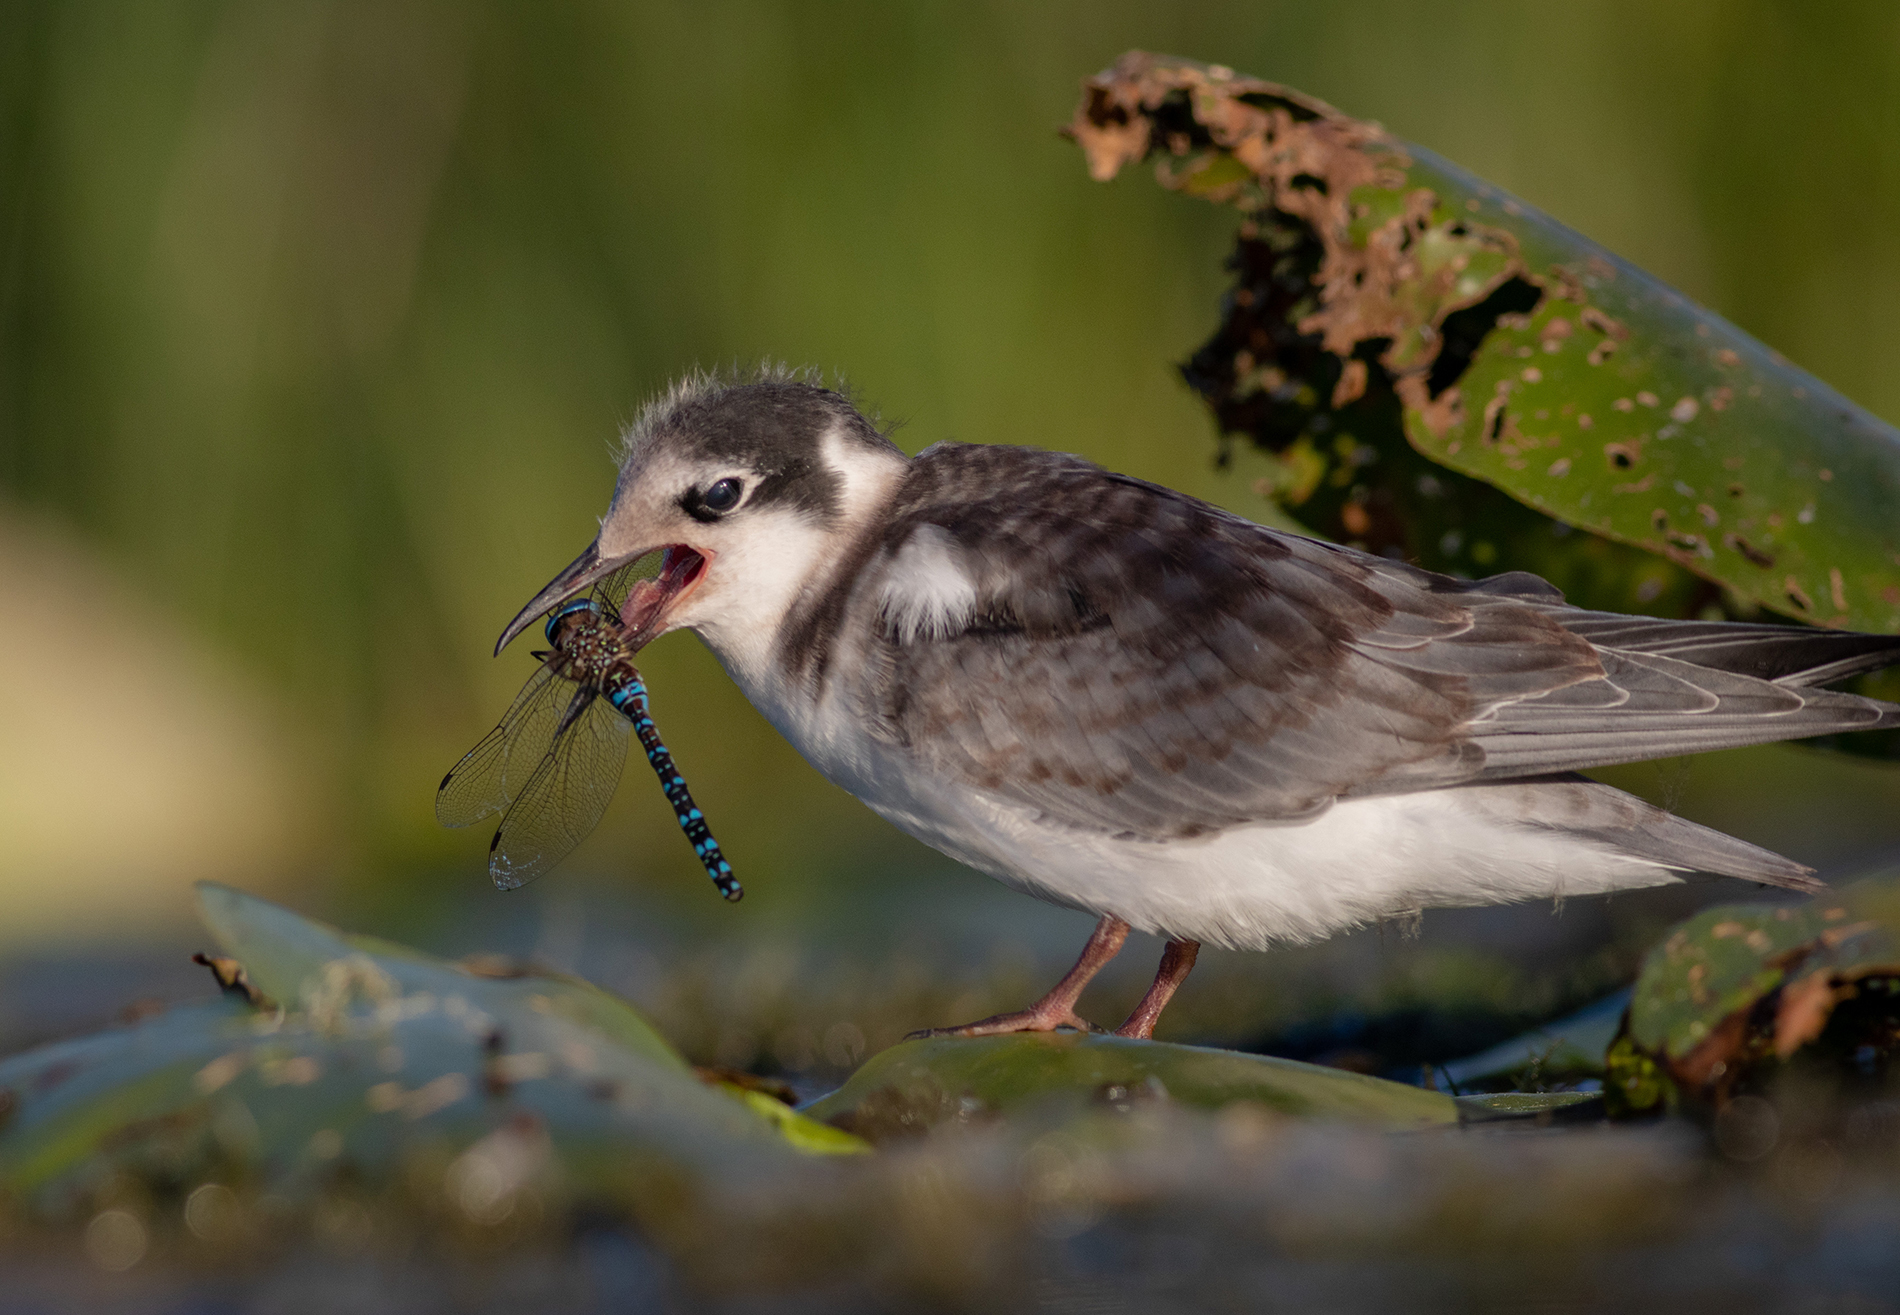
(486, 1135)
(1572, 1046)
(531, 1084)
(1540, 1107)
(295, 959)
(1436, 363)
(919, 1085)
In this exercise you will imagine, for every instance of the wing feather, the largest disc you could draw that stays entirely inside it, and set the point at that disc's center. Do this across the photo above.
(1139, 662)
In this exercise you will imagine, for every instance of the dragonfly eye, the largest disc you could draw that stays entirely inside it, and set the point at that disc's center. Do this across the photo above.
(560, 615)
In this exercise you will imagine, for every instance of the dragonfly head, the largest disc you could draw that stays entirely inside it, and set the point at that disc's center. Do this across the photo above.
(580, 575)
(572, 607)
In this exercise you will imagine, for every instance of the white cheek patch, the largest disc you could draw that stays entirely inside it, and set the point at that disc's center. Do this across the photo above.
(927, 593)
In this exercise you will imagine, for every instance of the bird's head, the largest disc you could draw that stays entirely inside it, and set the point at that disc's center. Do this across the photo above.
(749, 490)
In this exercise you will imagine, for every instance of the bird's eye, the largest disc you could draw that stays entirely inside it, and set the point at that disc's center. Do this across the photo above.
(724, 495)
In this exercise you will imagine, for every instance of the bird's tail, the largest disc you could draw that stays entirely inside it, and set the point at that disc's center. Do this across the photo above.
(1602, 813)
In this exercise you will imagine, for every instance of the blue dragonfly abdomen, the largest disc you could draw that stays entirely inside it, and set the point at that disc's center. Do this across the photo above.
(628, 693)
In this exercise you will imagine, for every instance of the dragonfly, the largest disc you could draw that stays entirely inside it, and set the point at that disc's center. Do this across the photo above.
(554, 760)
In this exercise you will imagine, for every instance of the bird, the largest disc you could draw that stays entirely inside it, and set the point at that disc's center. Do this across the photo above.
(1118, 698)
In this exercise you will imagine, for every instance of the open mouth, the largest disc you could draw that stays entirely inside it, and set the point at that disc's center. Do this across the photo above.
(643, 613)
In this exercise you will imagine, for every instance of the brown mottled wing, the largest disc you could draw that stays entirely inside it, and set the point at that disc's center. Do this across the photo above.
(1144, 664)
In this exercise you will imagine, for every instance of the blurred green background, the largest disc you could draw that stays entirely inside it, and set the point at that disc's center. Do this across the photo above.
(318, 320)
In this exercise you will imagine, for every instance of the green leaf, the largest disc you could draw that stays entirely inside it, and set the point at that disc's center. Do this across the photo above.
(71, 1098)
(387, 1056)
(1622, 407)
(800, 1129)
(1536, 1106)
(1633, 1083)
(917, 1085)
(298, 961)
(1717, 964)
(1742, 986)
(1444, 346)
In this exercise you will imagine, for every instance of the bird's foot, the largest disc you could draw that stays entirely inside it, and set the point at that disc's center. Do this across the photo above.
(1056, 1009)
(1023, 1020)
(1177, 961)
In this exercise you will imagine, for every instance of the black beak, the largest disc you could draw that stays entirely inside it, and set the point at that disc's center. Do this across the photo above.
(579, 574)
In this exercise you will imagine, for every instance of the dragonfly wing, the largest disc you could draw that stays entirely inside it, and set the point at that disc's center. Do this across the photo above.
(493, 774)
(563, 799)
(613, 590)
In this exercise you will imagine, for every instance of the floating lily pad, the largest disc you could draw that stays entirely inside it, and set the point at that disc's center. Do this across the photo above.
(918, 1085)
(295, 961)
(382, 1058)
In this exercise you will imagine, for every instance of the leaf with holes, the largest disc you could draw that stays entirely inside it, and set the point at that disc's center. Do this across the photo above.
(1464, 367)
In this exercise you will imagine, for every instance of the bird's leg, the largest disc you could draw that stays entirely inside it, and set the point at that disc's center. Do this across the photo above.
(1057, 1009)
(1177, 961)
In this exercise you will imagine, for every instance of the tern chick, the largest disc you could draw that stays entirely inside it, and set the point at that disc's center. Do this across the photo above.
(1115, 697)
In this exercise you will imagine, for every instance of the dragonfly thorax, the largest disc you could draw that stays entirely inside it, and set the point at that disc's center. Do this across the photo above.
(586, 644)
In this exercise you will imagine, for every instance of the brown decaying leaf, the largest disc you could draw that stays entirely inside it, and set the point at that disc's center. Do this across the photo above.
(1396, 283)
(1714, 1064)
(1782, 1021)
(1802, 1012)
(1348, 312)
(1385, 300)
